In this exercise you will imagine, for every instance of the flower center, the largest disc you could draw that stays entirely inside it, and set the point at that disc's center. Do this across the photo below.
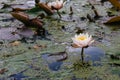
(82, 38)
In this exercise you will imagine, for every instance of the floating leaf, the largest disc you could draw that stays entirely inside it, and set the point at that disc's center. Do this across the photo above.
(21, 16)
(36, 22)
(37, 47)
(54, 60)
(2, 71)
(15, 43)
(113, 19)
(25, 32)
(20, 7)
(45, 8)
(58, 56)
(115, 3)
(7, 34)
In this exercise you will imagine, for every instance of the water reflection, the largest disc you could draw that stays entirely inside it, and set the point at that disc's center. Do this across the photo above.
(93, 54)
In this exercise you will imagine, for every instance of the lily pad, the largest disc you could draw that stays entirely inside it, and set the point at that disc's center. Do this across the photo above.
(6, 34)
(112, 19)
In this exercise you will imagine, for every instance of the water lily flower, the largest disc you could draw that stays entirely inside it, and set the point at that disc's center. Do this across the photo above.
(82, 40)
(30, 4)
(56, 5)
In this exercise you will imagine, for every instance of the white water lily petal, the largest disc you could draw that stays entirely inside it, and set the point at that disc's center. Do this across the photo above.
(58, 4)
(82, 40)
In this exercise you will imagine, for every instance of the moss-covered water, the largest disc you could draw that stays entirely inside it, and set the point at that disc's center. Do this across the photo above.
(31, 58)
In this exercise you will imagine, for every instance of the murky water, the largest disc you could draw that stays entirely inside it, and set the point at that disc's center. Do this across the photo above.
(50, 55)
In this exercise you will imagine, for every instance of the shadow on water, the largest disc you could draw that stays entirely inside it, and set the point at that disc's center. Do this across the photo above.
(19, 76)
(54, 61)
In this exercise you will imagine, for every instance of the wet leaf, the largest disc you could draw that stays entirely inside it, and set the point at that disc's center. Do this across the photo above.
(36, 47)
(54, 57)
(2, 71)
(113, 19)
(15, 43)
(63, 54)
(21, 16)
(115, 3)
(59, 53)
(19, 9)
(36, 22)
(45, 8)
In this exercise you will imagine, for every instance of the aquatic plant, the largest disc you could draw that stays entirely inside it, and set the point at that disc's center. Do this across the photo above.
(83, 41)
(56, 5)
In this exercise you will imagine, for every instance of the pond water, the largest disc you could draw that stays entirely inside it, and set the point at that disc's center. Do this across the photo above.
(93, 54)
(49, 55)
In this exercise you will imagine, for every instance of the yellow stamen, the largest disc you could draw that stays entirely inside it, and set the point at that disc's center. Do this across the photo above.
(81, 38)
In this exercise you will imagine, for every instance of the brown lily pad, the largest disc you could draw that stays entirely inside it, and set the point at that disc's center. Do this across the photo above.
(45, 8)
(36, 22)
(113, 19)
(2, 71)
(21, 16)
(115, 3)
(24, 18)
(15, 43)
